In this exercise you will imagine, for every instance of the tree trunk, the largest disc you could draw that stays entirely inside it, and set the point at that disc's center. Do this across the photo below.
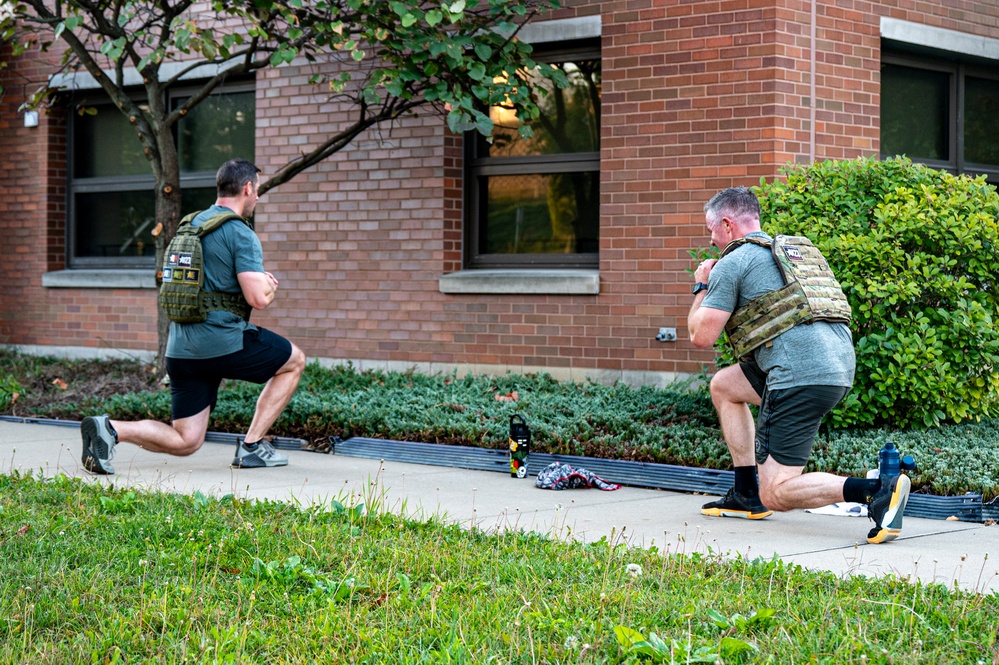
(168, 214)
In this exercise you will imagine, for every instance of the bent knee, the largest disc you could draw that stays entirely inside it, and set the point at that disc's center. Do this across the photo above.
(296, 363)
(189, 446)
(724, 385)
(772, 500)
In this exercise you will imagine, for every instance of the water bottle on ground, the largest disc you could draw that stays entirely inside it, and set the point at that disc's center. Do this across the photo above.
(889, 463)
(520, 446)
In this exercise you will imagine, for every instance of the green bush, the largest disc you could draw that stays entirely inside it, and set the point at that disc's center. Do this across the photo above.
(915, 250)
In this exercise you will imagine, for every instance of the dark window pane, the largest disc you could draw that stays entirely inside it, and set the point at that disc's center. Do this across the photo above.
(569, 121)
(540, 214)
(120, 224)
(981, 110)
(193, 199)
(105, 144)
(115, 224)
(219, 128)
(914, 112)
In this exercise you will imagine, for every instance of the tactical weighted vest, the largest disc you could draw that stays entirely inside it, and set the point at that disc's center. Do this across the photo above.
(810, 293)
(182, 293)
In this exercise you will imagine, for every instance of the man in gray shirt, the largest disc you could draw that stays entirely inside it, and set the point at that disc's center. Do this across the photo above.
(224, 346)
(795, 379)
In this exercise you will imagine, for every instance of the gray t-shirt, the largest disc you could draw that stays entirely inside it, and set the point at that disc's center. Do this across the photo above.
(228, 250)
(815, 354)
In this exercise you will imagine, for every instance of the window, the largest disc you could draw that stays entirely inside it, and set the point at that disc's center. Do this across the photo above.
(536, 202)
(111, 201)
(940, 112)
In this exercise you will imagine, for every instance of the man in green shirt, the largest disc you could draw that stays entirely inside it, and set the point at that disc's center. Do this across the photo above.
(224, 346)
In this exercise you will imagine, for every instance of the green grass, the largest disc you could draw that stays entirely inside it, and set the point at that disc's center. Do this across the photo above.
(103, 575)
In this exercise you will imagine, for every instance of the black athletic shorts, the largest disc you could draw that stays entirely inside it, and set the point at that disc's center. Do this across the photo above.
(194, 383)
(789, 419)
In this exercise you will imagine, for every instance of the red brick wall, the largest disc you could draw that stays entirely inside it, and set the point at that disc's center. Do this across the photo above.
(697, 96)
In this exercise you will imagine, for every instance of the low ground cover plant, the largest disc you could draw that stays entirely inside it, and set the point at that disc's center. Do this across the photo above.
(670, 426)
(99, 574)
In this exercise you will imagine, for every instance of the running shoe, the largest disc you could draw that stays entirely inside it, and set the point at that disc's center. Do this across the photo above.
(886, 508)
(734, 504)
(263, 454)
(99, 440)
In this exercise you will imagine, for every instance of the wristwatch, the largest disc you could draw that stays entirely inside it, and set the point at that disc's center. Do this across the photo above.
(700, 286)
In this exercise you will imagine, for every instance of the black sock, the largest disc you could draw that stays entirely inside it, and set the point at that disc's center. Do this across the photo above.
(251, 446)
(745, 481)
(860, 490)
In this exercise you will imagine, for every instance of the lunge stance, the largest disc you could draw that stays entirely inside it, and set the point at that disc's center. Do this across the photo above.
(786, 317)
(211, 337)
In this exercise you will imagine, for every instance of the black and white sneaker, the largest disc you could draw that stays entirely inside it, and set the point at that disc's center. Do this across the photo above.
(734, 504)
(99, 440)
(262, 454)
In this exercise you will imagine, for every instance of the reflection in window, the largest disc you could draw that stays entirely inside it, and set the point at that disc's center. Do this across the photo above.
(112, 205)
(536, 201)
(981, 111)
(217, 129)
(106, 144)
(569, 119)
(941, 112)
(914, 112)
(120, 224)
(541, 214)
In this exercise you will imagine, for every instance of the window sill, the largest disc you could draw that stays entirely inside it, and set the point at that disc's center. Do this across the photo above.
(100, 279)
(542, 282)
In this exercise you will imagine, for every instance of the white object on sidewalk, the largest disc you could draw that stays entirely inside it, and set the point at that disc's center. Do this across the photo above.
(844, 508)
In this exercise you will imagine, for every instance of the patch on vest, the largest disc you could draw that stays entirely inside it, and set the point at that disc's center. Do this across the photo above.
(793, 253)
(180, 259)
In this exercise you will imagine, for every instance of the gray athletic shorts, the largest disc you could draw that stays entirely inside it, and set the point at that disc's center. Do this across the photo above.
(789, 419)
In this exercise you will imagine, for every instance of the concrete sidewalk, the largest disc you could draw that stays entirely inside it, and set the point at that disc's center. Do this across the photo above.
(949, 553)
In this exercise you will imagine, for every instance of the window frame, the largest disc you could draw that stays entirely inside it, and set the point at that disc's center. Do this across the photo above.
(477, 168)
(126, 183)
(958, 68)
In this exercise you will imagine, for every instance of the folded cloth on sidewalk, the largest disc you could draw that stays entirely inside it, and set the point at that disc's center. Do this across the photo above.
(560, 476)
(843, 508)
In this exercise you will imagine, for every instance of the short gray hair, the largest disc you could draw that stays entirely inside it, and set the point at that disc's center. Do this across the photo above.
(734, 202)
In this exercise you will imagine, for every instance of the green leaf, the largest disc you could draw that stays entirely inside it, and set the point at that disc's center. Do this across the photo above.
(731, 647)
(484, 51)
(433, 17)
(477, 71)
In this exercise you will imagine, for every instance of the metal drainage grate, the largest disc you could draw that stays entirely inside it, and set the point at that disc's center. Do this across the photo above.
(967, 508)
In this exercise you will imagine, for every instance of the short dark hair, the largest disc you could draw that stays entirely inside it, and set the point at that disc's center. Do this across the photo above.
(233, 176)
(734, 202)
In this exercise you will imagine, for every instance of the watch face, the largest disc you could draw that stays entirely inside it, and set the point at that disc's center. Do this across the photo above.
(700, 286)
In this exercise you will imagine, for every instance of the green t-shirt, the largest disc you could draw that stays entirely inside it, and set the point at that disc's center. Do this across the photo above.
(228, 250)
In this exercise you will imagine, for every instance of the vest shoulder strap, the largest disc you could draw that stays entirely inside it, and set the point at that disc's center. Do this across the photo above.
(210, 224)
(218, 220)
(739, 242)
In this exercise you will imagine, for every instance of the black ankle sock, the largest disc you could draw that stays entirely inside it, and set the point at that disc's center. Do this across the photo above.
(745, 481)
(860, 490)
(251, 446)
